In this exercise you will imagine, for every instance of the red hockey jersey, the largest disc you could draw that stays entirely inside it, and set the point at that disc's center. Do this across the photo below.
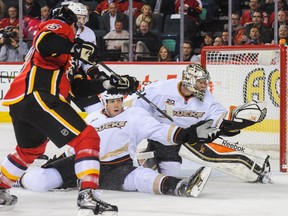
(40, 73)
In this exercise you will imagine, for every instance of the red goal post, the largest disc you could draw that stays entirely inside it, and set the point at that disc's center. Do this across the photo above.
(240, 74)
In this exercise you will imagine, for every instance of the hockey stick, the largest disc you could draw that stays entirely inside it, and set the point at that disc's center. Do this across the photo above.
(137, 92)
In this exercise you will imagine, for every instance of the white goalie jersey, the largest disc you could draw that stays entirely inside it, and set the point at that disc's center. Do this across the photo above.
(184, 111)
(129, 128)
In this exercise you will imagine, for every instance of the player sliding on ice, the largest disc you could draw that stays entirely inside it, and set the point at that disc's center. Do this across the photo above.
(188, 102)
(120, 131)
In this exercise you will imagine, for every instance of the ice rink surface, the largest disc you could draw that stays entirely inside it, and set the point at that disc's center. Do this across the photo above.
(222, 196)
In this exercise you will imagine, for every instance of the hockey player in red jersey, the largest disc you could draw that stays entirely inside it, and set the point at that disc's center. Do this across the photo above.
(40, 112)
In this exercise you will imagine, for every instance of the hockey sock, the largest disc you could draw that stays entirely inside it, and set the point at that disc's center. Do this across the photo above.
(169, 184)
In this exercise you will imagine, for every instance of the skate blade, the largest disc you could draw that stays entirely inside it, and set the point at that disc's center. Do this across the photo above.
(199, 185)
(89, 212)
(266, 179)
(6, 207)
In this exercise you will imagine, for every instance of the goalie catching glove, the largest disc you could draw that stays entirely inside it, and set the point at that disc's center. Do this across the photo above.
(84, 51)
(243, 116)
(200, 132)
(123, 85)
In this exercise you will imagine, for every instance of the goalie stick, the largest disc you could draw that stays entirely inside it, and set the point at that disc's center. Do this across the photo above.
(137, 92)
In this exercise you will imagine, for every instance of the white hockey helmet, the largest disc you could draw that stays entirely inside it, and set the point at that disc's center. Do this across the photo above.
(105, 96)
(192, 73)
(79, 9)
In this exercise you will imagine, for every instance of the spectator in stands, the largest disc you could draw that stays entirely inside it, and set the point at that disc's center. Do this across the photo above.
(3, 9)
(282, 6)
(146, 14)
(237, 29)
(10, 46)
(136, 7)
(225, 38)
(163, 7)
(160, 9)
(35, 22)
(103, 7)
(282, 19)
(254, 37)
(267, 6)
(193, 10)
(257, 21)
(246, 17)
(31, 8)
(218, 41)
(93, 22)
(207, 40)
(114, 46)
(282, 34)
(12, 19)
(188, 54)
(147, 43)
(164, 54)
(108, 19)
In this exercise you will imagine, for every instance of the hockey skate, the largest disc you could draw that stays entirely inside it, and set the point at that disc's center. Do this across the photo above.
(192, 186)
(266, 172)
(7, 201)
(89, 204)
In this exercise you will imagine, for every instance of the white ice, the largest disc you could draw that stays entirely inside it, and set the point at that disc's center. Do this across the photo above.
(223, 195)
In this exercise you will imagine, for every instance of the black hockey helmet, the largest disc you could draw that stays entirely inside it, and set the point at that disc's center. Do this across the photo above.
(64, 14)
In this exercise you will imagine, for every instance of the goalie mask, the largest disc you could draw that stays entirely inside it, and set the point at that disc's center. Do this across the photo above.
(80, 10)
(190, 76)
(105, 96)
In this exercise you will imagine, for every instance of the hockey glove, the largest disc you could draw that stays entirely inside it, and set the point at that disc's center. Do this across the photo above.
(85, 51)
(95, 73)
(126, 85)
(232, 128)
(200, 132)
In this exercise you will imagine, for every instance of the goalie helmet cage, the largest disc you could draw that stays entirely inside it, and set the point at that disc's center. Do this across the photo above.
(240, 74)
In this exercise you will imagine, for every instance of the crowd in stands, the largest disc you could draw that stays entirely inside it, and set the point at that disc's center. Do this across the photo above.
(205, 24)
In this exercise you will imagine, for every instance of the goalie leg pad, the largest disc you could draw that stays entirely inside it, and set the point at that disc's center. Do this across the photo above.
(233, 163)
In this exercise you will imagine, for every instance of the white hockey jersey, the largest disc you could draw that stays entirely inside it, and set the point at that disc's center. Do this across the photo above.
(185, 112)
(121, 134)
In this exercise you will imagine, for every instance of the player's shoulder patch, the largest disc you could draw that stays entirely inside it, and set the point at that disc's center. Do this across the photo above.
(53, 26)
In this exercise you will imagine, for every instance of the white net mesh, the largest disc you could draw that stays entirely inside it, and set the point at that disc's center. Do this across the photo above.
(241, 75)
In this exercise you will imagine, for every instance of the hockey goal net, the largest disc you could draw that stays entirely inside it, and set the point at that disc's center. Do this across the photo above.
(240, 74)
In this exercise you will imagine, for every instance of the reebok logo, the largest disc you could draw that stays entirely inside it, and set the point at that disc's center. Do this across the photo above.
(233, 146)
